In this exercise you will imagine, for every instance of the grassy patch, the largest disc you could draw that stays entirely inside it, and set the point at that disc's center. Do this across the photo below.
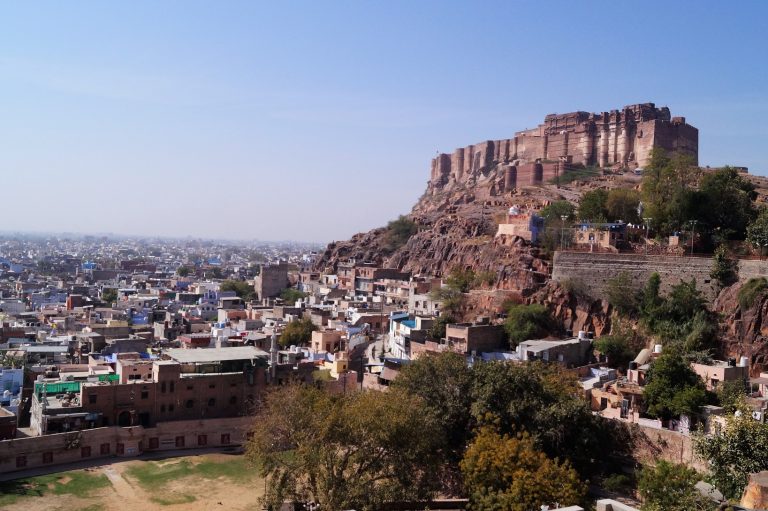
(153, 475)
(171, 499)
(751, 290)
(79, 484)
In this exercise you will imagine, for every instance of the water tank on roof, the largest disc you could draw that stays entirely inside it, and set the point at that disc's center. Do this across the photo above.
(582, 335)
(657, 348)
(744, 362)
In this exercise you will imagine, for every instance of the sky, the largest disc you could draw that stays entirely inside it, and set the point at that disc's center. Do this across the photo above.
(314, 120)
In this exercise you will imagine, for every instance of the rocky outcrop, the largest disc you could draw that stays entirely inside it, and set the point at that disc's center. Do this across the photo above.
(575, 311)
(743, 331)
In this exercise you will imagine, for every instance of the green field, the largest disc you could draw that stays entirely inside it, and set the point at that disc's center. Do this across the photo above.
(77, 483)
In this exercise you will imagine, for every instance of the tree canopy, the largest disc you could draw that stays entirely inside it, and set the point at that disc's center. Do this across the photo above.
(241, 288)
(671, 487)
(350, 451)
(672, 388)
(399, 232)
(503, 472)
(291, 295)
(297, 333)
(526, 322)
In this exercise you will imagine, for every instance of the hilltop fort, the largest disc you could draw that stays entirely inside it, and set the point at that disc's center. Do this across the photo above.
(619, 139)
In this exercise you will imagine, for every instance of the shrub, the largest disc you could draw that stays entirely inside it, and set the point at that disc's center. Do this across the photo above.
(751, 290)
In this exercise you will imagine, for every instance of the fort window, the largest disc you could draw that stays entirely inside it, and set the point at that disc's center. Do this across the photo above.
(225, 439)
(212, 386)
(120, 449)
(202, 439)
(154, 442)
(173, 386)
(190, 387)
(48, 457)
(162, 387)
(179, 441)
(85, 452)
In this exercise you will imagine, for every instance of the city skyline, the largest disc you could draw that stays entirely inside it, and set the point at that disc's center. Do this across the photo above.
(151, 120)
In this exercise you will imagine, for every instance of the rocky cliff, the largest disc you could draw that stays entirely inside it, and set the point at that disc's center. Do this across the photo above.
(743, 330)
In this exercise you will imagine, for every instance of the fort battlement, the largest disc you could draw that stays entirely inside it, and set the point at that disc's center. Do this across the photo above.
(623, 138)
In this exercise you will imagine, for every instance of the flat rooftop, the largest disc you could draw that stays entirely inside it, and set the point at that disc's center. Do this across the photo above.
(203, 355)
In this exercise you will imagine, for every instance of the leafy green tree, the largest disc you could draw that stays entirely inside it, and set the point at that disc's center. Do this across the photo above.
(297, 333)
(526, 322)
(723, 267)
(670, 487)
(183, 271)
(668, 190)
(650, 299)
(617, 348)
(444, 382)
(592, 206)
(731, 395)
(621, 204)
(109, 295)
(241, 288)
(461, 279)
(673, 388)
(508, 473)
(452, 300)
(727, 202)
(620, 293)
(437, 331)
(757, 231)
(291, 295)
(546, 401)
(556, 210)
(357, 450)
(399, 232)
(739, 450)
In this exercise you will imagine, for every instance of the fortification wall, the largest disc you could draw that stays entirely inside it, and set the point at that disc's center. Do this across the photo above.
(593, 271)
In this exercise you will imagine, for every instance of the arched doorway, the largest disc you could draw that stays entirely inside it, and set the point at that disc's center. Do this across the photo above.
(124, 419)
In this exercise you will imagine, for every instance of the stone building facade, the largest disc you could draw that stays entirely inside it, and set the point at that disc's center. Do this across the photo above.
(619, 138)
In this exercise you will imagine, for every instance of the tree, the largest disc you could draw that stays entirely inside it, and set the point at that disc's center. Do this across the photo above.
(351, 451)
(673, 388)
(592, 206)
(509, 473)
(621, 204)
(727, 202)
(556, 210)
(444, 382)
(109, 295)
(671, 487)
(617, 349)
(526, 322)
(297, 333)
(399, 232)
(437, 331)
(547, 402)
(668, 190)
(183, 271)
(461, 279)
(739, 450)
(757, 231)
(291, 295)
(619, 292)
(731, 395)
(452, 300)
(241, 288)
(723, 267)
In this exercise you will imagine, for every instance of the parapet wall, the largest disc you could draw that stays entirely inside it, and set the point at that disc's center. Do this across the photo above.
(593, 271)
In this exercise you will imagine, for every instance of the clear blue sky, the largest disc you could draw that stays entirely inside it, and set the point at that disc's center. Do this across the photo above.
(315, 120)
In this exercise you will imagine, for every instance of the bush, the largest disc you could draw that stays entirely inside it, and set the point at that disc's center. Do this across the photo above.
(297, 333)
(527, 322)
(750, 291)
(399, 232)
(617, 483)
(290, 295)
(621, 295)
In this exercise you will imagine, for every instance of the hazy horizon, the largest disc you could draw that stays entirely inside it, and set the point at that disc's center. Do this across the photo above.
(313, 121)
